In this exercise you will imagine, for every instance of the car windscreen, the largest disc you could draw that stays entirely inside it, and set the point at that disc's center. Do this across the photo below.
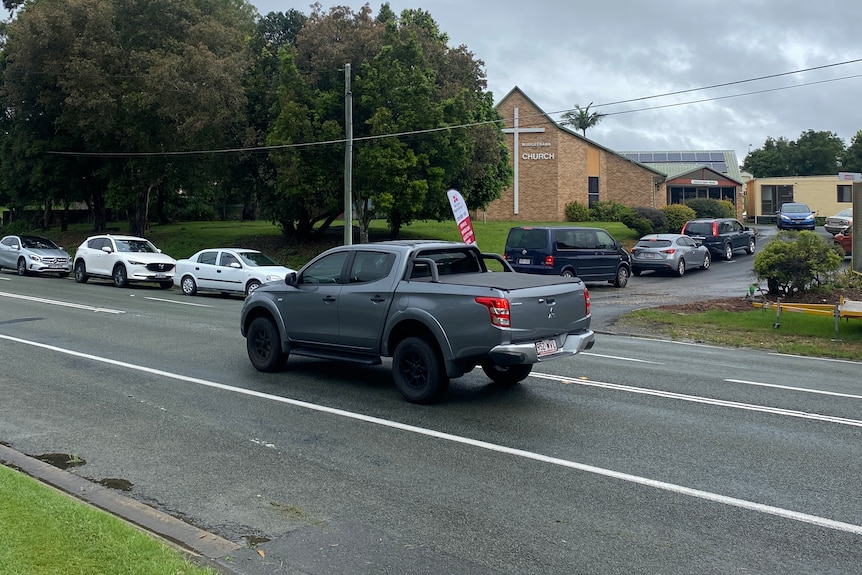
(653, 244)
(37, 243)
(254, 259)
(527, 239)
(135, 246)
(699, 229)
(795, 209)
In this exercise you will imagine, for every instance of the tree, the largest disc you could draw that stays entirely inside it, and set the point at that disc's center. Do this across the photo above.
(407, 81)
(853, 154)
(796, 261)
(581, 118)
(813, 154)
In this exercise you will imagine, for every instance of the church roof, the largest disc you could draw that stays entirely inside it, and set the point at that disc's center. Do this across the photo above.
(678, 162)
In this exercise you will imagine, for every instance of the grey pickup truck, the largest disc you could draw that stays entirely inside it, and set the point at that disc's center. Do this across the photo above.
(433, 307)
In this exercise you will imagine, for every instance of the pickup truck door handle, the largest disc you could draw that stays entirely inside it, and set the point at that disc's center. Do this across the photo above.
(329, 299)
(378, 299)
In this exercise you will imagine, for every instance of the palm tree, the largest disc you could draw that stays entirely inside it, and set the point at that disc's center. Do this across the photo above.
(581, 118)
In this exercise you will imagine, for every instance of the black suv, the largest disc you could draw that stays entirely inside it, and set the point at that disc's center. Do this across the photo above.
(721, 235)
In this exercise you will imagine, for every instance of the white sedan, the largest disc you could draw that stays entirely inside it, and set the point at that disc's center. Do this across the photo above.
(227, 270)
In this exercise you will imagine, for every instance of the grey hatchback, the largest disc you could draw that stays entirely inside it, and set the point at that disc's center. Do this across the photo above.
(673, 253)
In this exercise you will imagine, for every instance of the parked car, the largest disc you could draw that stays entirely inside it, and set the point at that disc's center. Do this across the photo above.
(674, 253)
(591, 254)
(844, 239)
(227, 270)
(34, 254)
(794, 216)
(839, 221)
(123, 259)
(721, 235)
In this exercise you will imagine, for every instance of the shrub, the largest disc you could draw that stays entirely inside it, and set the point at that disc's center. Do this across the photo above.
(577, 212)
(677, 215)
(608, 211)
(708, 208)
(656, 217)
(641, 225)
(796, 261)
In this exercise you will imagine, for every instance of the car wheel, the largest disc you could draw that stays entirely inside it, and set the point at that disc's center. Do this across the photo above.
(120, 277)
(418, 372)
(263, 345)
(752, 245)
(81, 272)
(707, 260)
(252, 285)
(507, 376)
(166, 285)
(22, 267)
(680, 267)
(188, 285)
(728, 251)
(622, 277)
(567, 273)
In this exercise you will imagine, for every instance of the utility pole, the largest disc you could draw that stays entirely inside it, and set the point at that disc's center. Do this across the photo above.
(348, 158)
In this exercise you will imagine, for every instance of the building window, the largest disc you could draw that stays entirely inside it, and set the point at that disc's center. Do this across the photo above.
(592, 191)
(844, 195)
(772, 197)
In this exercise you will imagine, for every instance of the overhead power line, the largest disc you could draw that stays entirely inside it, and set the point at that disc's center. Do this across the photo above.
(542, 118)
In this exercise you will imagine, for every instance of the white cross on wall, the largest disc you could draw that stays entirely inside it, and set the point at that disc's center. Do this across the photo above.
(518, 130)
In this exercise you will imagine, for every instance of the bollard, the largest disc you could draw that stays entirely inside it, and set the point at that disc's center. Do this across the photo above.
(777, 323)
(837, 314)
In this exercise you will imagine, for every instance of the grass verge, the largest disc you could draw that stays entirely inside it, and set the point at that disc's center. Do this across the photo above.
(798, 333)
(48, 532)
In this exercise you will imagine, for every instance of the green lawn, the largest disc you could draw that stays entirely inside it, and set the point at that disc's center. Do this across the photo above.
(46, 532)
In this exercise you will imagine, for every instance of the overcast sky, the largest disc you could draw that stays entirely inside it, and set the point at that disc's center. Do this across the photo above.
(563, 53)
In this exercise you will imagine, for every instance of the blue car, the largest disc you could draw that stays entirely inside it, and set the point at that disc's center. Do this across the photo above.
(794, 216)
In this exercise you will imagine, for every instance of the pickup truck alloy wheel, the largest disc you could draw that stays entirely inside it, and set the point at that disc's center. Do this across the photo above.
(188, 285)
(81, 272)
(120, 277)
(417, 371)
(752, 245)
(263, 345)
(509, 375)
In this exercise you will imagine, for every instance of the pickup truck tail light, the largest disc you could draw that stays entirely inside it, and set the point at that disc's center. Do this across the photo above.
(499, 310)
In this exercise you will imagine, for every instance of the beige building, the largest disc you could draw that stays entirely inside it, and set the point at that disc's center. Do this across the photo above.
(554, 166)
(826, 195)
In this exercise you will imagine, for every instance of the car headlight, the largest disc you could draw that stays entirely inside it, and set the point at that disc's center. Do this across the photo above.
(785, 218)
(272, 278)
(36, 258)
(136, 263)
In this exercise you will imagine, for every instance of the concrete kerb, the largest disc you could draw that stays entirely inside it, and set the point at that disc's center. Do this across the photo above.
(174, 531)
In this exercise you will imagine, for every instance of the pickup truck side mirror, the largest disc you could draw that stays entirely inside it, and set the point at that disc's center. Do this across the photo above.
(290, 279)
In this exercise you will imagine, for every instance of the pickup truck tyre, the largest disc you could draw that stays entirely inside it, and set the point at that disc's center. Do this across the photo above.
(507, 376)
(263, 345)
(752, 245)
(418, 371)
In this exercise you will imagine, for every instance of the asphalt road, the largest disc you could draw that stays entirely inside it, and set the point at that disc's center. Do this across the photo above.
(641, 456)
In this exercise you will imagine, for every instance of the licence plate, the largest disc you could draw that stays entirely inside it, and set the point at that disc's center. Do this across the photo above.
(546, 346)
(649, 255)
(160, 276)
(524, 261)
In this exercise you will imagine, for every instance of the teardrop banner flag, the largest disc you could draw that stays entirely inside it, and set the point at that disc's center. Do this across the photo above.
(462, 216)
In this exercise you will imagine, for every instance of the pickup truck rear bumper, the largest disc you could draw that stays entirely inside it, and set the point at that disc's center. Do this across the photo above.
(524, 353)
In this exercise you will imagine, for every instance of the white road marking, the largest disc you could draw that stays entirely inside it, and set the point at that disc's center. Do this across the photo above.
(802, 389)
(60, 303)
(706, 400)
(669, 487)
(620, 358)
(850, 361)
(177, 302)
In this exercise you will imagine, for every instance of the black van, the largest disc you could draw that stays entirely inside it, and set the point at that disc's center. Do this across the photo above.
(588, 253)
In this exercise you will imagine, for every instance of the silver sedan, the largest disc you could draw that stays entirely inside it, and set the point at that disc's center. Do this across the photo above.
(33, 254)
(673, 253)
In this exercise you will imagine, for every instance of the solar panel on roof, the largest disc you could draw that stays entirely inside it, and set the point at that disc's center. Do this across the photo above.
(673, 157)
(659, 157)
(645, 157)
(688, 157)
(702, 156)
(716, 156)
(633, 157)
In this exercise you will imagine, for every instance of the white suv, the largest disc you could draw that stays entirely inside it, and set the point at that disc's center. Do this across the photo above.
(123, 259)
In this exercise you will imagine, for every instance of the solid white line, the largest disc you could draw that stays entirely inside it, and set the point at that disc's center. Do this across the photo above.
(850, 361)
(61, 303)
(669, 487)
(706, 400)
(802, 389)
(620, 358)
(177, 302)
